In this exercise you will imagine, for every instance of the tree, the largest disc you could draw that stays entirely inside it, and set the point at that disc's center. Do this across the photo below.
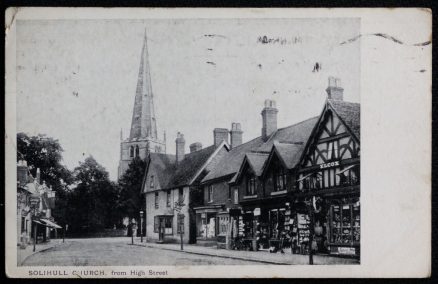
(130, 199)
(93, 200)
(45, 153)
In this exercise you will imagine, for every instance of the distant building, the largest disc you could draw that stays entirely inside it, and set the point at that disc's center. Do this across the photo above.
(28, 214)
(143, 136)
(171, 188)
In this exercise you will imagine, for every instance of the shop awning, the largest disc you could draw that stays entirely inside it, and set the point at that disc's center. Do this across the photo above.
(346, 169)
(38, 222)
(51, 224)
(304, 177)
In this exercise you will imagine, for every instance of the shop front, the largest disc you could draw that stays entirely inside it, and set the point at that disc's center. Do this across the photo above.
(209, 224)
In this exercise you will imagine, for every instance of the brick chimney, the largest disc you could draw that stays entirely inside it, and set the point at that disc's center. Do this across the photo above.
(22, 170)
(334, 89)
(195, 147)
(180, 147)
(219, 135)
(269, 115)
(235, 134)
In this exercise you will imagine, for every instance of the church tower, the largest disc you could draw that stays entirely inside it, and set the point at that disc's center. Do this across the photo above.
(143, 137)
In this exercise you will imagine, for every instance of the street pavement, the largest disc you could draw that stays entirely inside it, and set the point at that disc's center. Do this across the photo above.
(120, 252)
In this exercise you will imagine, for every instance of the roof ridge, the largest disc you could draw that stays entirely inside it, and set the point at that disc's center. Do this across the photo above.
(295, 124)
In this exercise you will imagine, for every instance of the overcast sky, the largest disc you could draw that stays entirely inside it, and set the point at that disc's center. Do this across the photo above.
(76, 80)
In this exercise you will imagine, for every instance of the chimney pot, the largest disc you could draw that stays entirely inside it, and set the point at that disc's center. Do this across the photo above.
(180, 147)
(334, 89)
(269, 116)
(195, 147)
(235, 134)
(219, 135)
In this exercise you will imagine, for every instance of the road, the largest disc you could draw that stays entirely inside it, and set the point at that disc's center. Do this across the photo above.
(119, 252)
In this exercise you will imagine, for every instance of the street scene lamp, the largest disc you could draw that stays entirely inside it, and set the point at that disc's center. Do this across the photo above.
(34, 201)
(141, 225)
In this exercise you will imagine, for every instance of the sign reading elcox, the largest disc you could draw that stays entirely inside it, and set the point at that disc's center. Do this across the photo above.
(329, 165)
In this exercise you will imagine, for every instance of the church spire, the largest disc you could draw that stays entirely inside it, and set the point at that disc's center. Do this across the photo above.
(143, 117)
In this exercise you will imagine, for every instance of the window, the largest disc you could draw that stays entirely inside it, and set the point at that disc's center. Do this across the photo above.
(168, 198)
(210, 193)
(280, 180)
(345, 226)
(163, 223)
(181, 194)
(152, 182)
(250, 185)
(131, 151)
(236, 196)
(156, 200)
(137, 151)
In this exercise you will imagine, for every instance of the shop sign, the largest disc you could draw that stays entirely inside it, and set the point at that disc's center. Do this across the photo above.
(329, 165)
(346, 250)
(257, 212)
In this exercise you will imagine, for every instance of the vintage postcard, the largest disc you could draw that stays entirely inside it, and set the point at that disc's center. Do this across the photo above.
(218, 143)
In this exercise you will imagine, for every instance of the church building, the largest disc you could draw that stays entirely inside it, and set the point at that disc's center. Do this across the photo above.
(143, 137)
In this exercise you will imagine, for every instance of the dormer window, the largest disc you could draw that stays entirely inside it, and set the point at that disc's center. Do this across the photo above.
(250, 185)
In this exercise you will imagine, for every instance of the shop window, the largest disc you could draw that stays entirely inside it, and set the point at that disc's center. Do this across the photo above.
(280, 180)
(163, 223)
(168, 196)
(345, 223)
(250, 185)
(236, 196)
(223, 223)
(168, 229)
(156, 200)
(210, 193)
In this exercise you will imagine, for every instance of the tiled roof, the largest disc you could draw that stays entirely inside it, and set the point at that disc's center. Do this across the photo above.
(349, 113)
(164, 165)
(190, 165)
(289, 153)
(171, 175)
(231, 162)
(256, 161)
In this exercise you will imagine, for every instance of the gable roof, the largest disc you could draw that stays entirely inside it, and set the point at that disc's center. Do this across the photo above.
(349, 113)
(164, 165)
(231, 162)
(255, 161)
(288, 153)
(171, 174)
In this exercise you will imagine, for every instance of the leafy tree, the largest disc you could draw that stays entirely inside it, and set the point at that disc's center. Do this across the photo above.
(130, 200)
(45, 153)
(94, 199)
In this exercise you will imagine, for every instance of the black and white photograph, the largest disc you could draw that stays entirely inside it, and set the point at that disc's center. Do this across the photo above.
(182, 141)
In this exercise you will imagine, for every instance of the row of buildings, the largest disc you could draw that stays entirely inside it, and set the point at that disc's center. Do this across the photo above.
(35, 201)
(302, 181)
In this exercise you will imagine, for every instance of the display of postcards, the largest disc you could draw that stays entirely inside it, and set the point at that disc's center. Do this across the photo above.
(346, 224)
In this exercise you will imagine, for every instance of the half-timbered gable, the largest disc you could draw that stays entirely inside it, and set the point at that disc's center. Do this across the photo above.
(333, 149)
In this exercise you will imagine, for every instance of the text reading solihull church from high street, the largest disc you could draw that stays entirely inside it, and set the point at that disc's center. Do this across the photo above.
(294, 189)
